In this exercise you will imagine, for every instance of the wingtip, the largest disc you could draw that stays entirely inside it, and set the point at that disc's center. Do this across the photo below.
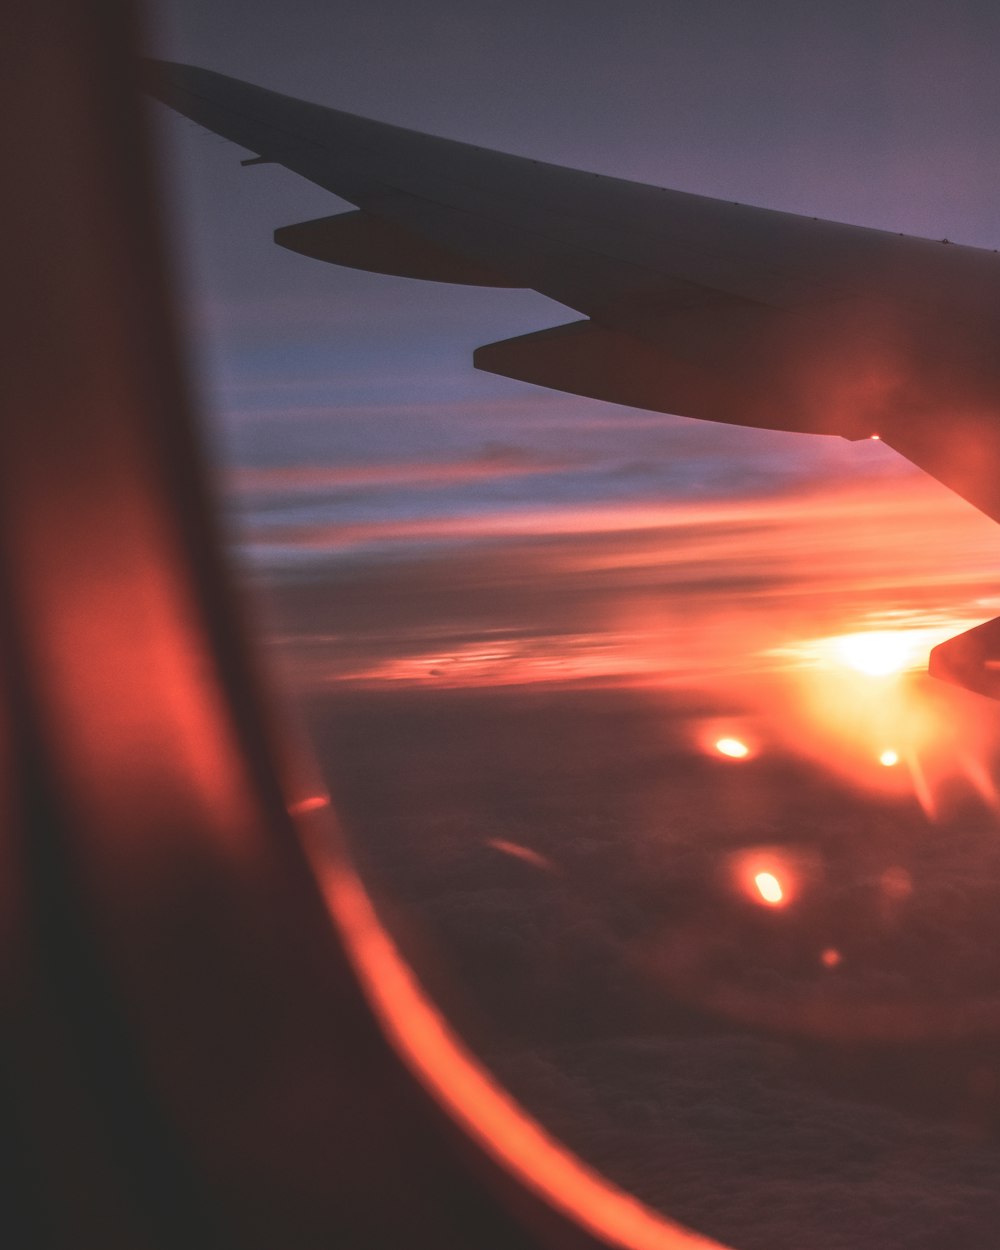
(158, 78)
(165, 80)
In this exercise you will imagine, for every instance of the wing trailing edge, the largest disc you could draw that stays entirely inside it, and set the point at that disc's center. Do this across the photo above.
(599, 362)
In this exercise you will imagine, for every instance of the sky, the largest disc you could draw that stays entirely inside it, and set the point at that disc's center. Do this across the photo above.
(421, 526)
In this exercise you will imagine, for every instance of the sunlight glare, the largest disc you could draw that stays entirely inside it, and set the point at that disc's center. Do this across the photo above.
(877, 653)
(733, 748)
(888, 758)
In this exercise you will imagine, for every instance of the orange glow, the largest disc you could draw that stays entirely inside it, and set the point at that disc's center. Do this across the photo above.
(897, 884)
(821, 663)
(831, 957)
(733, 748)
(923, 735)
(311, 804)
(769, 888)
(426, 1044)
(979, 776)
(826, 578)
(523, 853)
(770, 876)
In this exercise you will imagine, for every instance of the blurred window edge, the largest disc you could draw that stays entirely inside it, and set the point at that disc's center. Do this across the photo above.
(131, 697)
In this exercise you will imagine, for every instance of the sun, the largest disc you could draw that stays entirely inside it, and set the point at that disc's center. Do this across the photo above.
(877, 653)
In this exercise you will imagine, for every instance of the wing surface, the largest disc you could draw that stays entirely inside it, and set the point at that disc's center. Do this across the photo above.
(694, 306)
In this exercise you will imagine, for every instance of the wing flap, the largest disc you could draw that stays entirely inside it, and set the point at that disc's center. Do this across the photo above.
(699, 379)
(362, 241)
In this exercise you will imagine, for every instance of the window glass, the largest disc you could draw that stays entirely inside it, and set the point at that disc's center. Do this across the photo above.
(626, 715)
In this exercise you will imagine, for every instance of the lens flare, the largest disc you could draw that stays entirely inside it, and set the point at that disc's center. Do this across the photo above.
(769, 888)
(733, 748)
(888, 759)
(771, 876)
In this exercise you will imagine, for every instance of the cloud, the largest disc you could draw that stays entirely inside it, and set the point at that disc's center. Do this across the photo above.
(797, 506)
(644, 591)
(496, 460)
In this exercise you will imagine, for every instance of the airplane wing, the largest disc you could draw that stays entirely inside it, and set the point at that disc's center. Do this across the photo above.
(691, 305)
(688, 305)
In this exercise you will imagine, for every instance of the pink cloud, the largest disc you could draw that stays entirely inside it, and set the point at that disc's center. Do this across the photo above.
(647, 591)
(497, 462)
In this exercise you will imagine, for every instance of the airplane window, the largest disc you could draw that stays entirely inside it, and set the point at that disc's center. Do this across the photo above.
(626, 715)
